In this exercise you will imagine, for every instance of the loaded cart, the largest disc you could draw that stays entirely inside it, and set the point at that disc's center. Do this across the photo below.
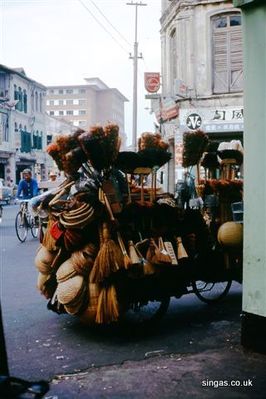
(114, 245)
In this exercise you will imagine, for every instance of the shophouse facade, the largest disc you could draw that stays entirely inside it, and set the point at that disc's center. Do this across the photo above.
(22, 125)
(88, 104)
(202, 73)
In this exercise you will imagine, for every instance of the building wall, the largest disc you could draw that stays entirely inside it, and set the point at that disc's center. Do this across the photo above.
(186, 40)
(25, 122)
(102, 104)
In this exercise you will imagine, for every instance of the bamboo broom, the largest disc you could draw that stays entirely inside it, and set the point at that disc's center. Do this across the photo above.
(109, 258)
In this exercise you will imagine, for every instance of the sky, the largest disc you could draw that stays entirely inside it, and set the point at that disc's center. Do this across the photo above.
(61, 42)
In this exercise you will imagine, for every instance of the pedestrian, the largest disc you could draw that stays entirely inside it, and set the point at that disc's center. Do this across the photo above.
(27, 187)
(52, 176)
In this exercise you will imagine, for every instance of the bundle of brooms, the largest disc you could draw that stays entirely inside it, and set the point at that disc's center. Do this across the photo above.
(107, 309)
(109, 258)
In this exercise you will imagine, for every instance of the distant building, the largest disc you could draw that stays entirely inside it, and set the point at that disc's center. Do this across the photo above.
(22, 125)
(202, 74)
(86, 105)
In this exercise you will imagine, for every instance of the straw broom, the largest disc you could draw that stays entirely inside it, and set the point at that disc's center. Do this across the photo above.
(109, 258)
(107, 309)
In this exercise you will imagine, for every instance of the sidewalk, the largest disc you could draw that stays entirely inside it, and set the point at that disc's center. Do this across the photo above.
(206, 373)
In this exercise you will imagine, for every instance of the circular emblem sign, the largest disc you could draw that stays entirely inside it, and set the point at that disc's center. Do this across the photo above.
(152, 81)
(194, 121)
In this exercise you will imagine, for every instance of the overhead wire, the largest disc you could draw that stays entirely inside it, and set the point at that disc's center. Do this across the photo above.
(110, 23)
(102, 26)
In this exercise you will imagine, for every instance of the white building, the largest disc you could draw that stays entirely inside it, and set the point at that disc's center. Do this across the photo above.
(88, 104)
(202, 73)
(22, 125)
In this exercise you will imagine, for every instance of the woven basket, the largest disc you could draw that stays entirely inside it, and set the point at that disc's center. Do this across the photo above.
(69, 290)
(44, 259)
(80, 218)
(230, 235)
(41, 279)
(74, 306)
(65, 271)
(83, 260)
(89, 315)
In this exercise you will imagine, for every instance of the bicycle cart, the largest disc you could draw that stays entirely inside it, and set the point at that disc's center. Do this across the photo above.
(25, 221)
(117, 247)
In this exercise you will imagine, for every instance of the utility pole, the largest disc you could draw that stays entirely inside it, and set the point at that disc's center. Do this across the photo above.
(135, 58)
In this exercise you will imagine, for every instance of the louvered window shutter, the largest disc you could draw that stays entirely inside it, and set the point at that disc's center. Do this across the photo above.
(227, 55)
(220, 61)
(236, 60)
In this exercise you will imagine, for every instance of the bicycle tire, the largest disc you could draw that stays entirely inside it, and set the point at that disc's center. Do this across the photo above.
(21, 226)
(34, 229)
(206, 295)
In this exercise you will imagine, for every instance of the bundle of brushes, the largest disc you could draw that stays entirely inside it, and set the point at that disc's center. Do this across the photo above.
(101, 145)
(195, 144)
(149, 140)
(66, 152)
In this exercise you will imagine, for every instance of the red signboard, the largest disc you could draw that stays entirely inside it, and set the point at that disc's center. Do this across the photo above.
(152, 81)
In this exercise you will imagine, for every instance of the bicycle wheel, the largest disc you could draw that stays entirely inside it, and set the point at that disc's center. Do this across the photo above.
(211, 292)
(145, 312)
(34, 228)
(21, 226)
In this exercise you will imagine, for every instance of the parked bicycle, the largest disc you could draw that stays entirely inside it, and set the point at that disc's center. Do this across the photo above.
(25, 222)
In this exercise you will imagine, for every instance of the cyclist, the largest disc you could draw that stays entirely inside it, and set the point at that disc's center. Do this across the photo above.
(27, 187)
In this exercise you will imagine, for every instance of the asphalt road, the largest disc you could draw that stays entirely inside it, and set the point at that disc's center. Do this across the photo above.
(42, 344)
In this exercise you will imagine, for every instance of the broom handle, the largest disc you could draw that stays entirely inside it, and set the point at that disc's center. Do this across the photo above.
(155, 178)
(108, 207)
(141, 190)
(61, 192)
(129, 192)
(121, 243)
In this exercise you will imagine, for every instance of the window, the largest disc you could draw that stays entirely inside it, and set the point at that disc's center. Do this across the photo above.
(60, 91)
(19, 96)
(52, 113)
(69, 91)
(82, 102)
(82, 91)
(60, 113)
(69, 112)
(51, 102)
(173, 56)
(69, 102)
(82, 123)
(36, 101)
(40, 100)
(227, 54)
(60, 102)
(82, 112)
(51, 91)
(25, 105)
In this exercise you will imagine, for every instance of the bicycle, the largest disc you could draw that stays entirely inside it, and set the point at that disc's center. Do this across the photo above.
(25, 222)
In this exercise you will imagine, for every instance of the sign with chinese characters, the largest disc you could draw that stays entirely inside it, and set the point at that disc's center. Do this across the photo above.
(211, 120)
